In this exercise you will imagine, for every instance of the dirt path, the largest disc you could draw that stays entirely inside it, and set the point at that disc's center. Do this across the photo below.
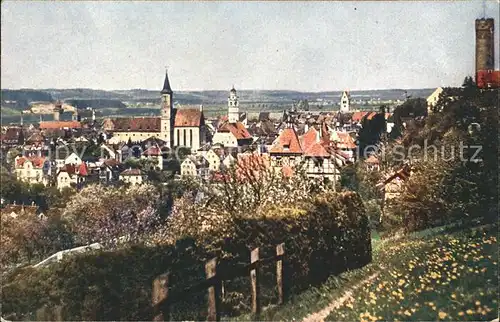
(323, 314)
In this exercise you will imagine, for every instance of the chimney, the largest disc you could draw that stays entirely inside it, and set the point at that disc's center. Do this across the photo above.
(201, 107)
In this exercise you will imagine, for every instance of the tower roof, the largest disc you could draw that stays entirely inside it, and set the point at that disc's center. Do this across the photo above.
(166, 85)
(233, 90)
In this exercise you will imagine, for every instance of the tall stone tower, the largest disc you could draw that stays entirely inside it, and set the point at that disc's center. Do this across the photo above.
(485, 44)
(345, 102)
(233, 110)
(167, 113)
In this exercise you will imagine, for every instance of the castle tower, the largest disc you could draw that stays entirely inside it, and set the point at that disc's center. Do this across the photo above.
(485, 44)
(345, 102)
(166, 113)
(233, 111)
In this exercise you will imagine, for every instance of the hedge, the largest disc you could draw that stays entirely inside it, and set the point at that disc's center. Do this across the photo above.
(326, 236)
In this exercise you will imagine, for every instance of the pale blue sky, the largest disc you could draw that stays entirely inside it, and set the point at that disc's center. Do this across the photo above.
(309, 46)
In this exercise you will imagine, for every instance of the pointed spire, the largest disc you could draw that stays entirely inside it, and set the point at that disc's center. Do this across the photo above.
(166, 85)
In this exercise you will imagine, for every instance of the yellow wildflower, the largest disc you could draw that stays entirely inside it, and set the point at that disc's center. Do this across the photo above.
(469, 312)
(442, 314)
(461, 313)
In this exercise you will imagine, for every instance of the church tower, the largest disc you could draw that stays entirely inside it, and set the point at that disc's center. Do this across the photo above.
(233, 113)
(167, 113)
(345, 102)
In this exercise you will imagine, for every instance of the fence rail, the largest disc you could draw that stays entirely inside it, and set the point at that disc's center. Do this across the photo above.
(162, 298)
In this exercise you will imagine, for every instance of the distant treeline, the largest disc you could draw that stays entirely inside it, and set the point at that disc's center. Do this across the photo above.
(96, 103)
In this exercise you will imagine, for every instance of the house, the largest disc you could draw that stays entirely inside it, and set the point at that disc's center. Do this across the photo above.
(155, 154)
(13, 136)
(32, 169)
(433, 99)
(214, 156)
(133, 176)
(319, 161)
(109, 171)
(372, 163)
(232, 133)
(72, 176)
(195, 166)
(392, 186)
(176, 126)
(286, 150)
(344, 142)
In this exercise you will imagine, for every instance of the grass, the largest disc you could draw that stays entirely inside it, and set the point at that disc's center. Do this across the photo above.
(444, 273)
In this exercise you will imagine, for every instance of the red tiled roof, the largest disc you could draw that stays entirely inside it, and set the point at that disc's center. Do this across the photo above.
(287, 142)
(371, 115)
(309, 138)
(132, 172)
(317, 150)
(36, 161)
(358, 116)
(82, 169)
(388, 115)
(188, 117)
(345, 141)
(139, 124)
(12, 134)
(237, 129)
(54, 125)
(73, 169)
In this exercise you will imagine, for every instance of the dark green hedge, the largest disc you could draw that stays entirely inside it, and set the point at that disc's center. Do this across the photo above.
(324, 237)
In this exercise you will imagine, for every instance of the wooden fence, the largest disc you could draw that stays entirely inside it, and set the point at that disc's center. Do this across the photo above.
(162, 299)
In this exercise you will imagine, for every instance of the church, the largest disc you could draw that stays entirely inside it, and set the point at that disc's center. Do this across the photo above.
(176, 126)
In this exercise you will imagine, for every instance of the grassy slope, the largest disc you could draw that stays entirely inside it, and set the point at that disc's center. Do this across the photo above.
(429, 275)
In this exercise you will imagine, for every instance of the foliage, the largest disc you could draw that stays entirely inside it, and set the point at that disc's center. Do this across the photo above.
(448, 180)
(324, 233)
(28, 237)
(371, 133)
(104, 214)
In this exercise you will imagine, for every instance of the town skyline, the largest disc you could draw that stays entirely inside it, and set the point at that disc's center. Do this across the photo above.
(309, 47)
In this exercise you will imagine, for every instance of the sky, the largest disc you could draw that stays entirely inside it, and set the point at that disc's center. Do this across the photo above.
(305, 46)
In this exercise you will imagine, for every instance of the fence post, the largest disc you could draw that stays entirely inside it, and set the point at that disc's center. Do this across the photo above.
(280, 252)
(213, 291)
(160, 294)
(254, 276)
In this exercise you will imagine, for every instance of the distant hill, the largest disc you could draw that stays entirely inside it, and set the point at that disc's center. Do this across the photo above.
(83, 97)
(21, 98)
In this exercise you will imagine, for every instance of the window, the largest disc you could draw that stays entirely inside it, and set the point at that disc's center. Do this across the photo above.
(184, 137)
(191, 137)
(178, 137)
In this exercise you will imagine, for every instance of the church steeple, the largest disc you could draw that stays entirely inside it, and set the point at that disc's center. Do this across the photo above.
(166, 85)
(233, 106)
